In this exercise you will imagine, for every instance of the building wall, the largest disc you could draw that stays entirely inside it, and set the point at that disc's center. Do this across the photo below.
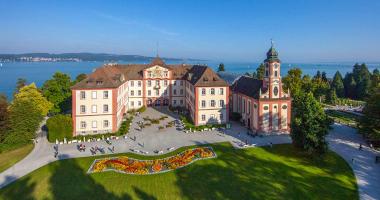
(212, 114)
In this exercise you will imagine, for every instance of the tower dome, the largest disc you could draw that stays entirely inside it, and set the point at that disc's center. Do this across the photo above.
(272, 55)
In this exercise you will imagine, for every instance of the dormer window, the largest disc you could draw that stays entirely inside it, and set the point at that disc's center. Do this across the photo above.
(214, 79)
(205, 79)
(99, 82)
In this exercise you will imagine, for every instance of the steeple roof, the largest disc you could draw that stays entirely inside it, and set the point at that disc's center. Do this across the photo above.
(272, 55)
(157, 61)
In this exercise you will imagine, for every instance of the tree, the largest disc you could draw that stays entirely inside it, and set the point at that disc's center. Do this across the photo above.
(375, 80)
(4, 116)
(260, 71)
(337, 85)
(293, 81)
(21, 82)
(320, 85)
(57, 90)
(221, 68)
(80, 77)
(349, 86)
(59, 127)
(324, 77)
(362, 78)
(310, 124)
(31, 94)
(370, 122)
(331, 97)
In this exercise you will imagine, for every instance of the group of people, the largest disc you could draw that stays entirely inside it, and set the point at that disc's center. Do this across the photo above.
(82, 147)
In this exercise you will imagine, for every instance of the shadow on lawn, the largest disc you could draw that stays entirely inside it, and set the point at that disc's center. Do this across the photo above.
(76, 184)
(240, 174)
(25, 186)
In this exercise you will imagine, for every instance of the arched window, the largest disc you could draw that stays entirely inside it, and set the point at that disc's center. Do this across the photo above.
(275, 91)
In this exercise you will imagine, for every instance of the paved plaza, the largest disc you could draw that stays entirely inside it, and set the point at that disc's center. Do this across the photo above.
(150, 140)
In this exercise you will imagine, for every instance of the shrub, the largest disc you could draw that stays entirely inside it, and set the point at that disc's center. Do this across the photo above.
(154, 121)
(142, 109)
(59, 127)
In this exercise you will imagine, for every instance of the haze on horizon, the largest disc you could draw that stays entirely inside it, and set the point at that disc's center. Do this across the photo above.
(303, 31)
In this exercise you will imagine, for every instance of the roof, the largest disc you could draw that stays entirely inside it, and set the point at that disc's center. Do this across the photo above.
(272, 55)
(113, 75)
(247, 86)
(200, 75)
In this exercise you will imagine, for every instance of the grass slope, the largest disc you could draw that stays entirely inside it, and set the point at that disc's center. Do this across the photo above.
(280, 172)
(9, 158)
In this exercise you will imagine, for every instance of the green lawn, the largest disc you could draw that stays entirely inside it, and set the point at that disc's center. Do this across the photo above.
(343, 117)
(9, 158)
(280, 172)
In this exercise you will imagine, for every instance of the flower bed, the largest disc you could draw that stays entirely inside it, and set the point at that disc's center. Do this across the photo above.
(127, 165)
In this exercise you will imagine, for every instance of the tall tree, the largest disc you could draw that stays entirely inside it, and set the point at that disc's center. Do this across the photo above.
(362, 78)
(331, 97)
(320, 85)
(375, 79)
(293, 81)
(31, 94)
(337, 84)
(324, 77)
(349, 86)
(4, 116)
(221, 68)
(370, 122)
(260, 71)
(21, 82)
(310, 124)
(57, 90)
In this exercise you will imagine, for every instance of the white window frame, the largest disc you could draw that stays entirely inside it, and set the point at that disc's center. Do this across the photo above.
(83, 124)
(105, 94)
(94, 95)
(94, 109)
(82, 95)
(94, 124)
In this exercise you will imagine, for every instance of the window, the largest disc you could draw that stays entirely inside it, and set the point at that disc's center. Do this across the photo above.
(139, 83)
(149, 74)
(203, 117)
(212, 104)
(175, 92)
(149, 83)
(139, 103)
(221, 116)
(166, 73)
(139, 92)
(132, 83)
(157, 92)
(82, 95)
(94, 94)
(212, 91)
(203, 103)
(94, 109)
(132, 93)
(275, 73)
(105, 94)
(149, 93)
(165, 83)
(203, 91)
(132, 103)
(105, 108)
(82, 109)
(275, 91)
(181, 92)
(174, 102)
(181, 83)
(82, 124)
(157, 82)
(212, 116)
(105, 123)
(266, 73)
(181, 102)
(221, 91)
(94, 124)
(221, 103)
(174, 82)
(249, 107)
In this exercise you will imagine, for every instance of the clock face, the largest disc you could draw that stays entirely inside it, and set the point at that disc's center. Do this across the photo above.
(157, 72)
(276, 65)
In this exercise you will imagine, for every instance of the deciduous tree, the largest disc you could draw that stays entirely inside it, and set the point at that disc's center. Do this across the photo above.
(309, 124)
(57, 90)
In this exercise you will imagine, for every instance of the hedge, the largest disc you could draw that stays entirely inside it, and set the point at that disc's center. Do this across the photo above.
(59, 127)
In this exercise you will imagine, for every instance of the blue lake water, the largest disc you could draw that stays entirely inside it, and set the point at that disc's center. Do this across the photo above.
(39, 72)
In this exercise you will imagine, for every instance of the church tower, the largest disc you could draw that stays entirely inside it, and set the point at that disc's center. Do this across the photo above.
(272, 77)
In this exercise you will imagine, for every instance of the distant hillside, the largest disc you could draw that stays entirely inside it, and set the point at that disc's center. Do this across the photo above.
(46, 57)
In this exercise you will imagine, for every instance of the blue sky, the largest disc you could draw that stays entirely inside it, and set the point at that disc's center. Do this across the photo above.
(303, 31)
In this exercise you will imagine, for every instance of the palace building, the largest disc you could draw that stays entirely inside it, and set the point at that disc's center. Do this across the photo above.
(263, 104)
(101, 100)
